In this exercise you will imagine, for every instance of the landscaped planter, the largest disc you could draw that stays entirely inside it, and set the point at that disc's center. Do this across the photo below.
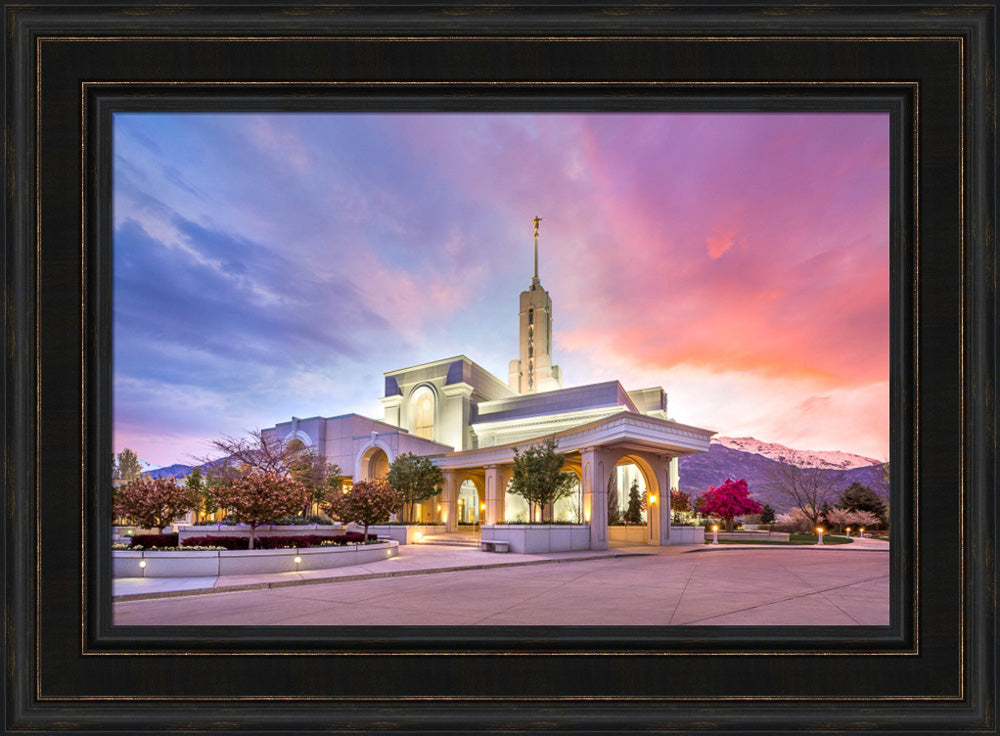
(533, 538)
(405, 533)
(637, 534)
(212, 563)
(288, 530)
(687, 535)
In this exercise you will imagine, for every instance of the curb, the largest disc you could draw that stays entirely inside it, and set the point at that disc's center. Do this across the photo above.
(354, 578)
(731, 547)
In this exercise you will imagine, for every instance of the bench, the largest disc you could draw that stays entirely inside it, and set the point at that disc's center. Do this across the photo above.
(493, 545)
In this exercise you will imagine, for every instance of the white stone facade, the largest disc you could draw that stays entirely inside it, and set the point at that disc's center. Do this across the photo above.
(469, 423)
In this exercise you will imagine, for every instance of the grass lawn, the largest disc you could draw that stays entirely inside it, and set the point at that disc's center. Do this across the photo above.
(793, 539)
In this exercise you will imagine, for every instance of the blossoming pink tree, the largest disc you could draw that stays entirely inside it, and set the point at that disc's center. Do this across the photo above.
(368, 502)
(729, 500)
(153, 502)
(258, 497)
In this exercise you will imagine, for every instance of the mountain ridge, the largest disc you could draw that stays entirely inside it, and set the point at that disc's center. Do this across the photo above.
(731, 457)
(699, 472)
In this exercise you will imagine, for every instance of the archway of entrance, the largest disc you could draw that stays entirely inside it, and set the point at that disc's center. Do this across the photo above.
(471, 503)
(375, 464)
(629, 501)
(569, 508)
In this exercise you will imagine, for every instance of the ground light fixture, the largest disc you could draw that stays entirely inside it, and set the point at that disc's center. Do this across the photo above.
(715, 533)
(848, 530)
(142, 566)
(861, 531)
(819, 531)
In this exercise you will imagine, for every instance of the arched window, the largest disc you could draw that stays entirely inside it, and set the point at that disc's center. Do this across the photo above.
(423, 413)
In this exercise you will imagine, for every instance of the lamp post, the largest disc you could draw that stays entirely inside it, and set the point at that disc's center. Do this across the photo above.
(848, 530)
(715, 533)
(861, 531)
(819, 531)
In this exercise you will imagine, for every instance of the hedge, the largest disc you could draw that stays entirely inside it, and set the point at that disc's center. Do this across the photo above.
(153, 540)
(277, 542)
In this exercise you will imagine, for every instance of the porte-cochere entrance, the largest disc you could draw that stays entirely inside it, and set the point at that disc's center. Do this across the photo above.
(620, 450)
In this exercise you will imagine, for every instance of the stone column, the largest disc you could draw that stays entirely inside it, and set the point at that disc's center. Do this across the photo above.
(449, 503)
(494, 495)
(594, 471)
(663, 473)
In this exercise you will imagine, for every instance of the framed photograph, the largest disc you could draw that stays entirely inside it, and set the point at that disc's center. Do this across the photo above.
(125, 127)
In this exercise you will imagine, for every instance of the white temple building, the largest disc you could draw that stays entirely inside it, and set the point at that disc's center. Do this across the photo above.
(468, 422)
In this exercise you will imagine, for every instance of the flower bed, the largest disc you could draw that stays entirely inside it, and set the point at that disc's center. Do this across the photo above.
(299, 540)
(533, 538)
(190, 563)
(243, 530)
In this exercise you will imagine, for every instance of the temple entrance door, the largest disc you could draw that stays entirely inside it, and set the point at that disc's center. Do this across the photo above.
(470, 507)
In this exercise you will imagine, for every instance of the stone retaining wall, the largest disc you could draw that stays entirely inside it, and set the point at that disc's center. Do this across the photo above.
(687, 535)
(533, 538)
(212, 563)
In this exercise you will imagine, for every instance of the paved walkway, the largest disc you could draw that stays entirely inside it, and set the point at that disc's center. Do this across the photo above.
(443, 585)
(413, 559)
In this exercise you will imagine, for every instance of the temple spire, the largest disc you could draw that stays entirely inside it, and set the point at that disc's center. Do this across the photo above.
(532, 370)
(537, 220)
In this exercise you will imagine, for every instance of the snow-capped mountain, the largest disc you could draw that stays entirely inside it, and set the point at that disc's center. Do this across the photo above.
(802, 458)
(755, 461)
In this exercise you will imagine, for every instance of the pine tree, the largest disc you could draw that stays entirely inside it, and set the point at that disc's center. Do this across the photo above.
(636, 505)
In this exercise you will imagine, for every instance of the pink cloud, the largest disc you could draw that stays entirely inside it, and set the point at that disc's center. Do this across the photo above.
(719, 243)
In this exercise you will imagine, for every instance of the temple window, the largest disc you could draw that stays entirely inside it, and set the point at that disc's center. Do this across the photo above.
(423, 413)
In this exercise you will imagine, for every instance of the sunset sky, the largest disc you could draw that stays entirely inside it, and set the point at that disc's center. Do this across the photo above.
(270, 266)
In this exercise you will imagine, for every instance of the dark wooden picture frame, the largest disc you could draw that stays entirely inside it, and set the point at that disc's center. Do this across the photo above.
(69, 69)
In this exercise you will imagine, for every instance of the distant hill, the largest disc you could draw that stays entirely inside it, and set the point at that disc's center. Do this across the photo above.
(181, 471)
(171, 471)
(754, 460)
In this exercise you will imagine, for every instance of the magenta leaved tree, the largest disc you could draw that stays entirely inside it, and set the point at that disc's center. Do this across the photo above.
(258, 497)
(153, 502)
(729, 500)
(368, 502)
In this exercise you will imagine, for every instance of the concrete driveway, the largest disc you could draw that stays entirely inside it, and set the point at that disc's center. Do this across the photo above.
(705, 585)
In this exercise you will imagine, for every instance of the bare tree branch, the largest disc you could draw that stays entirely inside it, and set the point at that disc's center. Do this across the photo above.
(809, 489)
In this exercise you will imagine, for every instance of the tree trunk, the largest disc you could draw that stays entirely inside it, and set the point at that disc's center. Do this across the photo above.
(253, 527)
